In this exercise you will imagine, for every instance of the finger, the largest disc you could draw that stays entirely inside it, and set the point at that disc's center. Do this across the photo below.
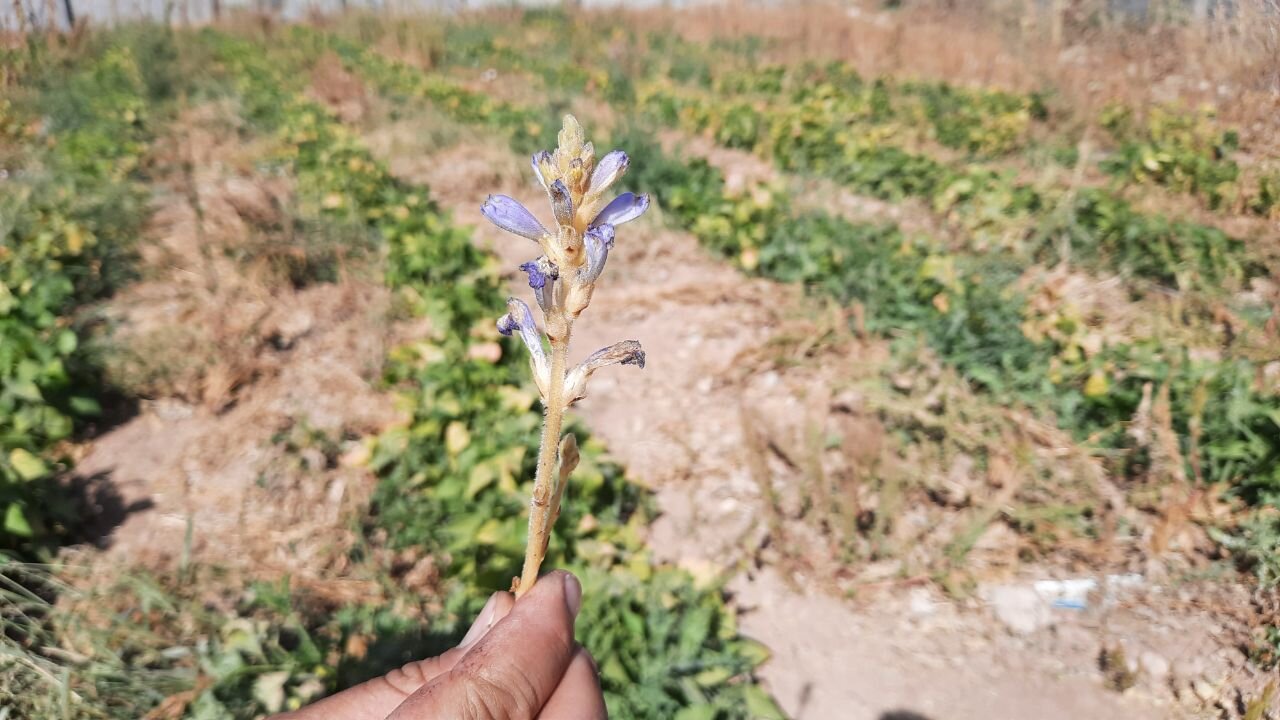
(578, 696)
(375, 699)
(512, 671)
(498, 607)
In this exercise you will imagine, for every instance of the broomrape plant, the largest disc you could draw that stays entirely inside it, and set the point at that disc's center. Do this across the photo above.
(563, 279)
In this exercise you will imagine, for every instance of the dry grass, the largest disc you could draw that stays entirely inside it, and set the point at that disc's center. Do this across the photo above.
(1232, 64)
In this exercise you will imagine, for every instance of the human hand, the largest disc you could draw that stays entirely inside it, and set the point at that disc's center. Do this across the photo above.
(518, 661)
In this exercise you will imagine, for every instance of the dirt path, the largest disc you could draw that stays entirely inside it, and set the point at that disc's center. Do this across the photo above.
(255, 387)
(901, 650)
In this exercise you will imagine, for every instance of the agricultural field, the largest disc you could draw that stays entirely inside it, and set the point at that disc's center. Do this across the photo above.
(963, 385)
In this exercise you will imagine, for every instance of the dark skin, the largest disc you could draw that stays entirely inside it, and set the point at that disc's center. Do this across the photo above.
(517, 662)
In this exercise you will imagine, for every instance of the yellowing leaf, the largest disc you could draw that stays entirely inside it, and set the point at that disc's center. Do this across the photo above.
(268, 689)
(515, 398)
(941, 269)
(28, 466)
(490, 532)
(640, 567)
(482, 476)
(760, 706)
(75, 239)
(456, 437)
(1097, 384)
(942, 302)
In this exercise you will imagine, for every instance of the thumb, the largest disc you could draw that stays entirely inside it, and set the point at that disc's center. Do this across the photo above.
(515, 668)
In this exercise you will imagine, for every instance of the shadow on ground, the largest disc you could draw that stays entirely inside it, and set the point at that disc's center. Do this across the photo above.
(97, 507)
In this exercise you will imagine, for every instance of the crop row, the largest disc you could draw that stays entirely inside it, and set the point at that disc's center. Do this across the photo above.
(69, 212)
(834, 123)
(1185, 151)
(454, 479)
(822, 136)
(526, 128)
(1224, 411)
(968, 308)
(1189, 153)
(971, 312)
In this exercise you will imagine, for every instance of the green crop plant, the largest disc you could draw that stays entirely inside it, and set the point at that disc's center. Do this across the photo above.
(1183, 151)
(67, 220)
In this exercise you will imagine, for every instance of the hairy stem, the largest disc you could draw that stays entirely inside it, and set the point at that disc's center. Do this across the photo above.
(541, 512)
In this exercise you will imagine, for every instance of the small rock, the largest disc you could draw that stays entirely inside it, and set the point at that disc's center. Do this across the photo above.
(357, 455)
(920, 603)
(337, 490)
(954, 489)
(292, 326)
(1271, 373)
(1206, 691)
(1019, 608)
(1154, 665)
(950, 493)
(848, 401)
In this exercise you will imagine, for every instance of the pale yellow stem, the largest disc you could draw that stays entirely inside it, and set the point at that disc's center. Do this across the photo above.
(541, 512)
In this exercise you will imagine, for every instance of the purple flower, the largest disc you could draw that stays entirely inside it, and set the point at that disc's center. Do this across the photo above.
(520, 318)
(537, 278)
(562, 203)
(608, 170)
(624, 208)
(507, 324)
(508, 214)
(605, 232)
(597, 242)
(540, 271)
(536, 161)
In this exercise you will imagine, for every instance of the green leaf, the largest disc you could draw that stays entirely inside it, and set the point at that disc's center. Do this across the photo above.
(754, 652)
(28, 466)
(15, 522)
(24, 389)
(481, 477)
(86, 406)
(760, 706)
(67, 342)
(697, 712)
(712, 677)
